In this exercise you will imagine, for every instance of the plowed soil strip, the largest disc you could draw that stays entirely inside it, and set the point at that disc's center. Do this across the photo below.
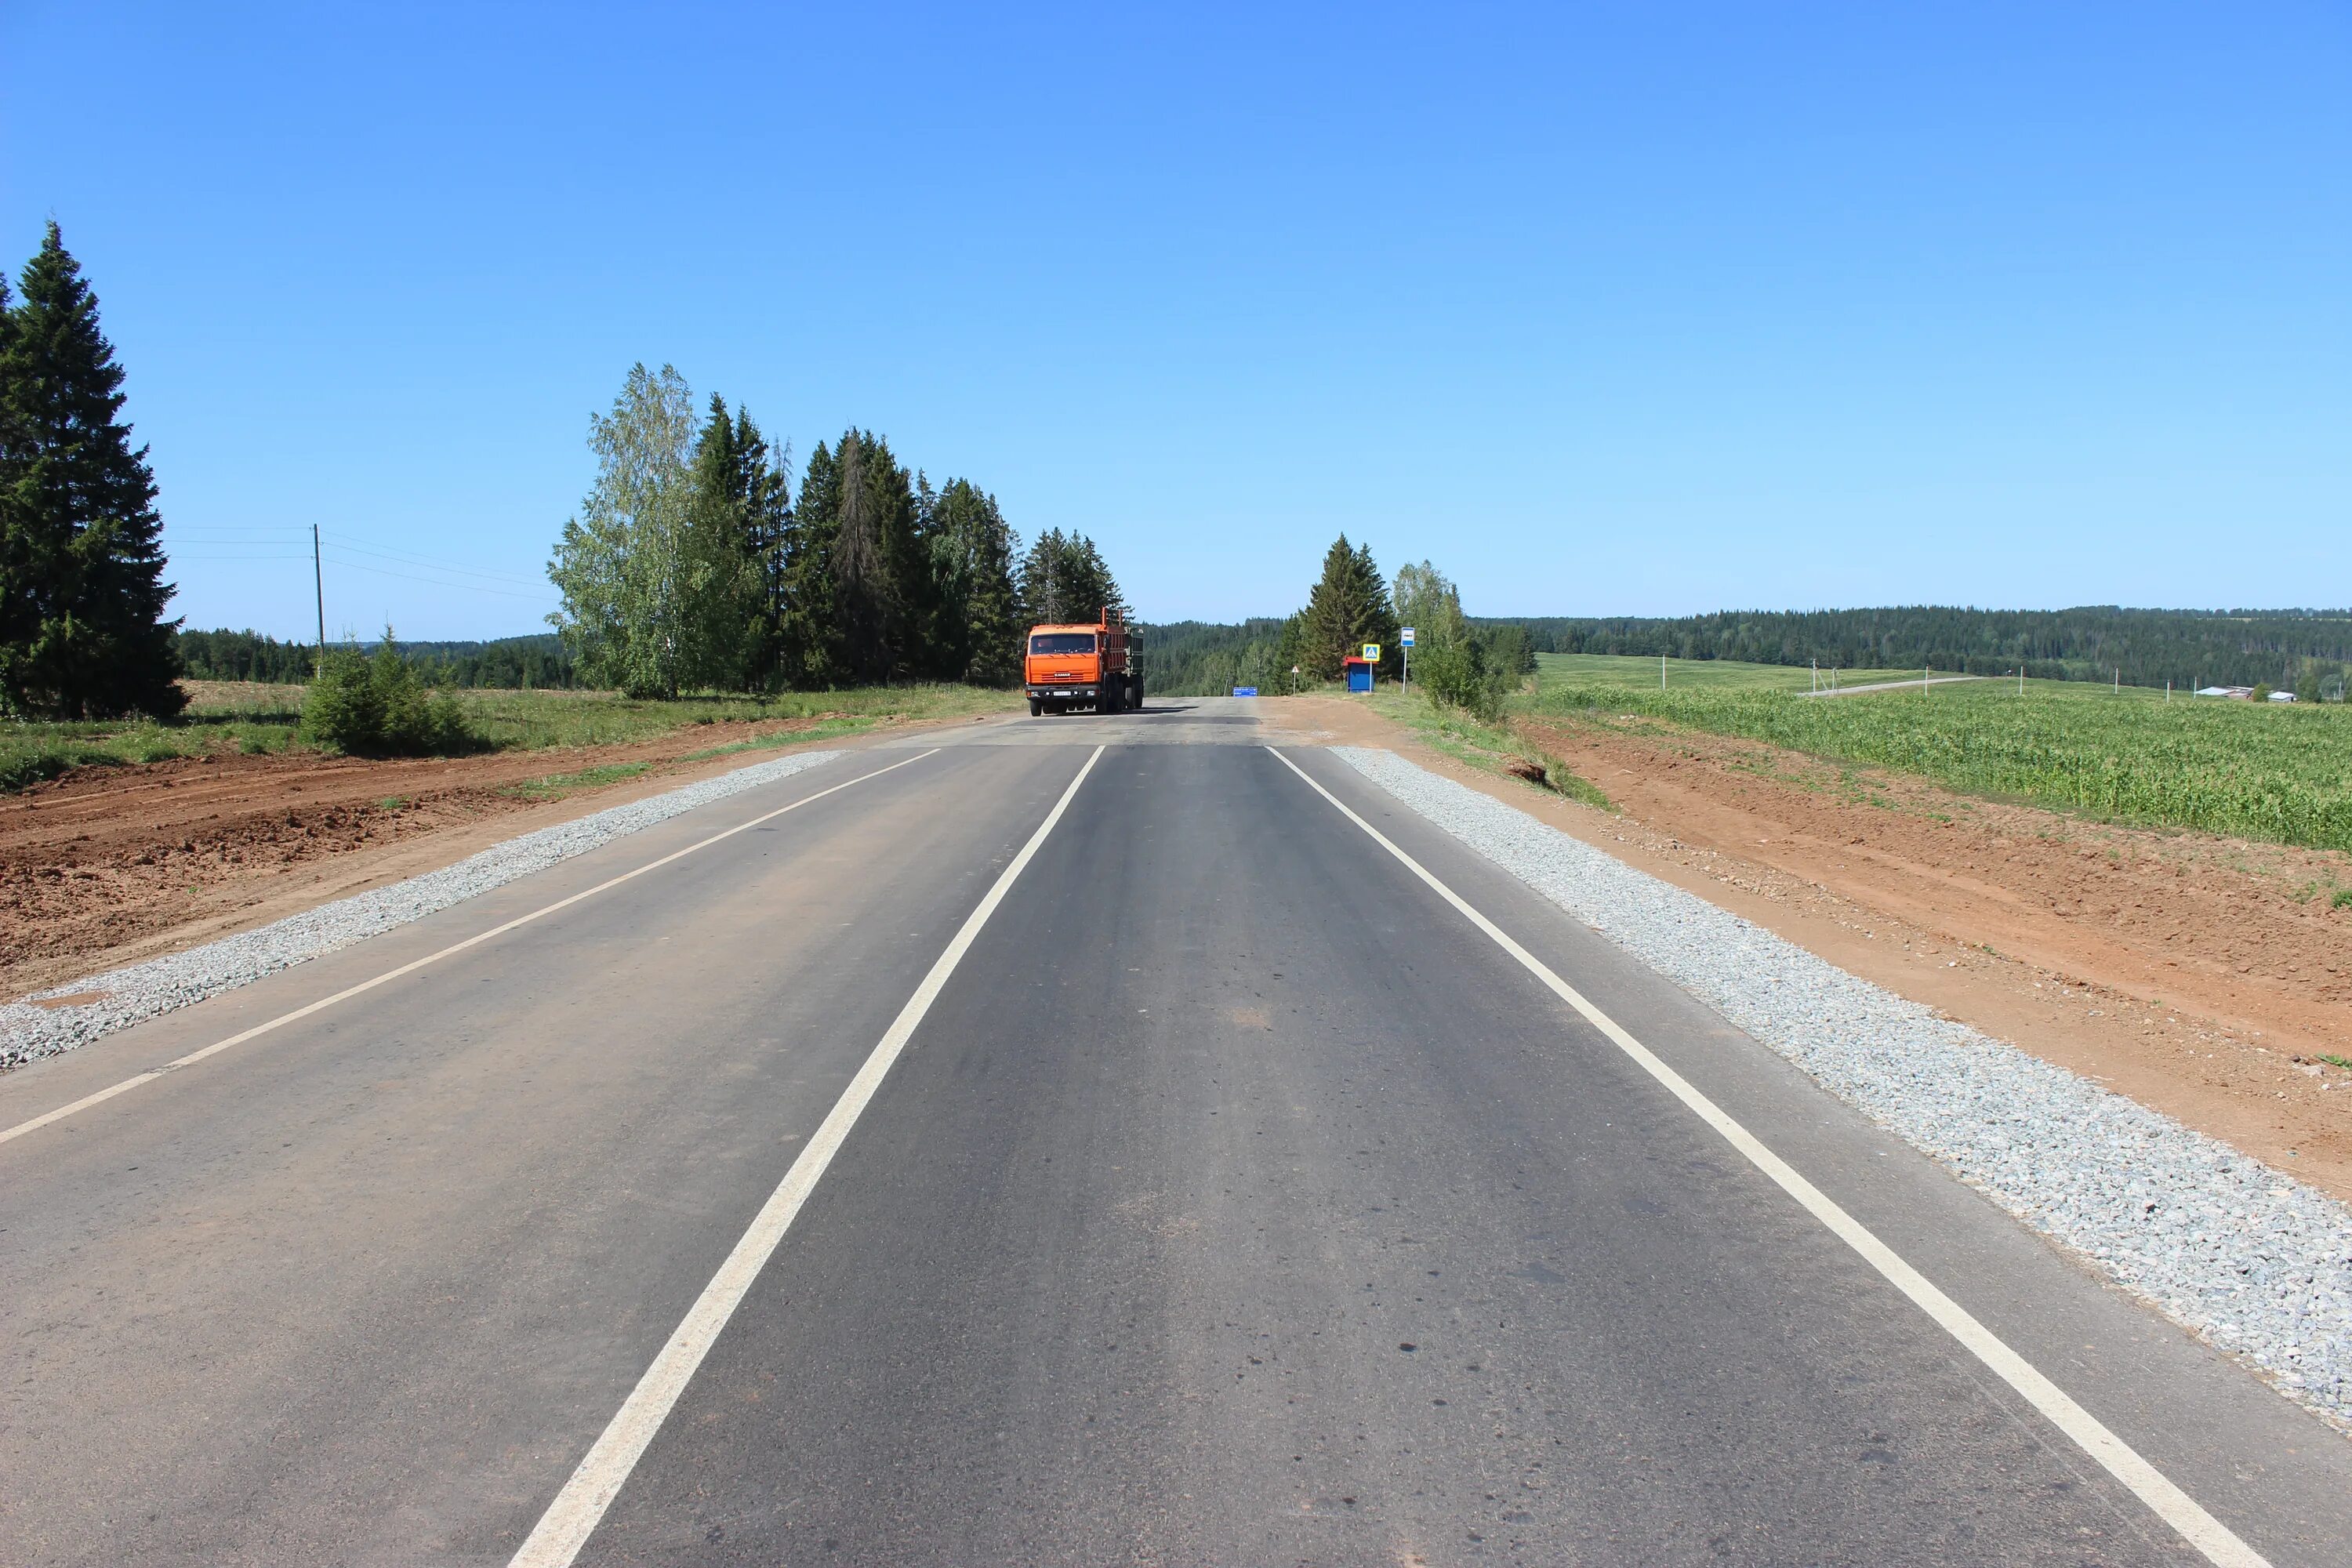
(107, 865)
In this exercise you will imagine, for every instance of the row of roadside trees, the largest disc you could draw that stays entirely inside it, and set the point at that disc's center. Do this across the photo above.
(696, 562)
(1349, 604)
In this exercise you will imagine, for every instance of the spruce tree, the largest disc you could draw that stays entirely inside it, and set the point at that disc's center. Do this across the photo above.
(808, 631)
(933, 590)
(1347, 608)
(1331, 617)
(876, 567)
(82, 595)
(1042, 600)
(768, 516)
(1065, 579)
(992, 607)
(1376, 619)
(972, 550)
(727, 587)
(19, 602)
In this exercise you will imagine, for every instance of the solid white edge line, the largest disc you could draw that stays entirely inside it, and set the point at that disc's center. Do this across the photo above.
(151, 1074)
(2118, 1458)
(577, 1509)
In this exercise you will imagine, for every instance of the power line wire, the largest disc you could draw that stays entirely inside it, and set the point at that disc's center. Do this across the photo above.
(437, 583)
(410, 558)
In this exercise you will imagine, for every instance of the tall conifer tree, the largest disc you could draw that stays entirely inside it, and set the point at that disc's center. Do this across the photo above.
(737, 496)
(973, 550)
(1348, 607)
(875, 568)
(82, 595)
(19, 600)
(1064, 578)
(809, 634)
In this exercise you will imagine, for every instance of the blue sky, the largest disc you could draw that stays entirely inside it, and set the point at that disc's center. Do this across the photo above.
(1623, 310)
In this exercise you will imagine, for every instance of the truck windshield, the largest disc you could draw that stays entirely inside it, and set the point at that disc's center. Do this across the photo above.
(1062, 642)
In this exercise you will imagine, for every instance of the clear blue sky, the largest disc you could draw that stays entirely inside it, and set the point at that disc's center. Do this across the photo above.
(1606, 309)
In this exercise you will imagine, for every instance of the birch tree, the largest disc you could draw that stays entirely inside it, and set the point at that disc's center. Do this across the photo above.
(627, 564)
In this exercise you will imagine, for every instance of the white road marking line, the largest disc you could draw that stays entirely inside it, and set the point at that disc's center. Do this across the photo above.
(128, 1084)
(2118, 1458)
(577, 1509)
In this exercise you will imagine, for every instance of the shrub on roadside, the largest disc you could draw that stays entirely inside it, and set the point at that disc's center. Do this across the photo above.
(376, 706)
(1460, 673)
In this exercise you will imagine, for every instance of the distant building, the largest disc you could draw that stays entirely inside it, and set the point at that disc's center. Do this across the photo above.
(2280, 696)
(2243, 693)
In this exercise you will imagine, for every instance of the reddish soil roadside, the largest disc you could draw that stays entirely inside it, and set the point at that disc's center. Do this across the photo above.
(107, 865)
(2197, 974)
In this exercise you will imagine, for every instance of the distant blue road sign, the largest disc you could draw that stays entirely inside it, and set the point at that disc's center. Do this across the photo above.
(1404, 636)
(1244, 690)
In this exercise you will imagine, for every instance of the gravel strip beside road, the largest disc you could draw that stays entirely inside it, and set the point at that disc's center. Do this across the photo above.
(141, 991)
(2227, 1246)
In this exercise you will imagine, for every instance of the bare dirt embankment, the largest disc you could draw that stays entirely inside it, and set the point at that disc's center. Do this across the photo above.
(107, 865)
(2195, 974)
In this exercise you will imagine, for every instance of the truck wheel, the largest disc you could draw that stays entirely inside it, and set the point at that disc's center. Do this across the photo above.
(1135, 694)
(1109, 702)
(1035, 707)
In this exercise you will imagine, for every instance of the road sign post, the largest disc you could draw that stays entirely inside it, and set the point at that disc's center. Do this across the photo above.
(1404, 641)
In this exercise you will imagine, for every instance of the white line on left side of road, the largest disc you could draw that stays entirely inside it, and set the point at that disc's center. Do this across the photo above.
(323, 1003)
(578, 1508)
(2219, 1544)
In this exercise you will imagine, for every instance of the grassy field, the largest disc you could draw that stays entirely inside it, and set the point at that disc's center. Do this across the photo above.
(2280, 773)
(1711, 674)
(236, 716)
(535, 719)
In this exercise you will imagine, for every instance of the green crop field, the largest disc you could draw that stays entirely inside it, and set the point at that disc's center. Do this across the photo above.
(2280, 772)
(1633, 669)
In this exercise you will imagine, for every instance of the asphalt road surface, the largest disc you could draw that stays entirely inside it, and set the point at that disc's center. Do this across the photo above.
(1230, 1197)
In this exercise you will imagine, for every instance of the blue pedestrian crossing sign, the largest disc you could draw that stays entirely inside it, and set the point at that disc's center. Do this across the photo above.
(1372, 652)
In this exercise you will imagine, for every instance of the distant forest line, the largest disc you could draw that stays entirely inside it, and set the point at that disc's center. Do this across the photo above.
(2188, 648)
(2148, 647)
(503, 663)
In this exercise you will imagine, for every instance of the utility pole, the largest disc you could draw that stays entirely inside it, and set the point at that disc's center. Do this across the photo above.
(319, 581)
(1662, 672)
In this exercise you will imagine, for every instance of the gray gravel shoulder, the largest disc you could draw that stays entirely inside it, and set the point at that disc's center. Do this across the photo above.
(141, 991)
(2248, 1257)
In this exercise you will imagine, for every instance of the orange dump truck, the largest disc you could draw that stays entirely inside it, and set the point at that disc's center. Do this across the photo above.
(1083, 667)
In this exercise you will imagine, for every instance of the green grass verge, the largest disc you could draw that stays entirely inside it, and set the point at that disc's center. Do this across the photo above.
(823, 729)
(32, 751)
(1488, 747)
(555, 786)
(532, 719)
(2282, 774)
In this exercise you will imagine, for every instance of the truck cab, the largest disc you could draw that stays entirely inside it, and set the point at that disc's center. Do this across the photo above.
(1080, 666)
